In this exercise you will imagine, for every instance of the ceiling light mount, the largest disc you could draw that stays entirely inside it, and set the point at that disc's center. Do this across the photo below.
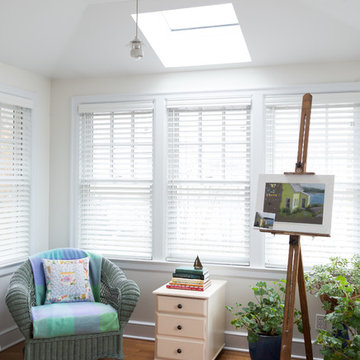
(137, 51)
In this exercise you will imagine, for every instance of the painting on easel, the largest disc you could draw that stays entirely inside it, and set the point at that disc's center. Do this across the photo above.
(297, 203)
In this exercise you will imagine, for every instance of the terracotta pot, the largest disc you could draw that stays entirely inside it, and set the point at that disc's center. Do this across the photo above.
(332, 301)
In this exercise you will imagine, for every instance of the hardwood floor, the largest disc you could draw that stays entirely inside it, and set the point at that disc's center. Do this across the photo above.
(133, 349)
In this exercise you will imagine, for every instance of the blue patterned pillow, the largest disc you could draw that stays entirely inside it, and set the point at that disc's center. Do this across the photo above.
(67, 280)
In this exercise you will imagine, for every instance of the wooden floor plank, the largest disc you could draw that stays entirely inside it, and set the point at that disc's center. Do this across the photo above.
(134, 349)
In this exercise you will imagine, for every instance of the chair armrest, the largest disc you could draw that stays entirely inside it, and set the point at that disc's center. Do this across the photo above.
(19, 299)
(120, 293)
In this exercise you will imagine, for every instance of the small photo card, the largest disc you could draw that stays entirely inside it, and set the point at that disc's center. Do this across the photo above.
(264, 220)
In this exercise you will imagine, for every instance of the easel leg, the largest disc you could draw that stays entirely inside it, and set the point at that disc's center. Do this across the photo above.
(291, 281)
(304, 310)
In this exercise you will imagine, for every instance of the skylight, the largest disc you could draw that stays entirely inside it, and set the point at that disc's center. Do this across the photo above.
(205, 35)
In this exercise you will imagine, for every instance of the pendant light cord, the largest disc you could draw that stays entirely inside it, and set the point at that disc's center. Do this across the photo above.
(137, 16)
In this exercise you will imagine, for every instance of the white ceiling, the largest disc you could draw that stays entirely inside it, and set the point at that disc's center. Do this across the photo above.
(77, 38)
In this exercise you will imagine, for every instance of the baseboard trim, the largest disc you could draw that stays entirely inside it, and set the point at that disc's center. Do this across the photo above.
(238, 340)
(140, 330)
(235, 349)
(139, 337)
(234, 340)
(10, 337)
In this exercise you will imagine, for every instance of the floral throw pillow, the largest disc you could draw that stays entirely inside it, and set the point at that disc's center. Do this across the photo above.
(67, 280)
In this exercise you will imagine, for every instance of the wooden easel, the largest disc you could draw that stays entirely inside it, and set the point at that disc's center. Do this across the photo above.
(295, 269)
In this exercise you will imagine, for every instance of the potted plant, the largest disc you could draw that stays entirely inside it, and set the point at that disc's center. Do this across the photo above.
(344, 319)
(263, 320)
(322, 281)
(337, 285)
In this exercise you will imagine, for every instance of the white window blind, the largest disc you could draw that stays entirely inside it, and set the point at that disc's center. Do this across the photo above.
(15, 183)
(334, 148)
(208, 180)
(115, 179)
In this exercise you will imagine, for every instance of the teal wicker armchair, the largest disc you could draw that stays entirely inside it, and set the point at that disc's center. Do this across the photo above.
(122, 294)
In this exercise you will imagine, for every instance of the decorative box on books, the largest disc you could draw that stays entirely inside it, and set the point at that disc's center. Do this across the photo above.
(189, 278)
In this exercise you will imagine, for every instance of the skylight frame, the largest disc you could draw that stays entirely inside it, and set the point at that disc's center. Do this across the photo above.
(201, 41)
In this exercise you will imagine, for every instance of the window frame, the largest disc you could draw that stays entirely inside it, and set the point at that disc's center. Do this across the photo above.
(257, 166)
(102, 130)
(27, 97)
(242, 107)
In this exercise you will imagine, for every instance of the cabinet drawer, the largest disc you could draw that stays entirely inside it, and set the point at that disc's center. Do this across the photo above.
(184, 326)
(167, 348)
(181, 305)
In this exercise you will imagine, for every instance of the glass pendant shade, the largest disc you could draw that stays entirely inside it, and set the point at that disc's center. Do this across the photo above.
(136, 51)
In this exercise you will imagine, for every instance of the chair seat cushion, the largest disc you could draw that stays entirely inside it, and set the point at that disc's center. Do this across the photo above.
(63, 319)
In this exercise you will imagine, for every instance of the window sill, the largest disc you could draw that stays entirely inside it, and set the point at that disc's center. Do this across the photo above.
(9, 269)
(242, 271)
(215, 270)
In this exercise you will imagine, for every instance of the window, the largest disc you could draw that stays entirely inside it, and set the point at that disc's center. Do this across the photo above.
(115, 179)
(208, 180)
(303, 204)
(15, 179)
(334, 148)
(194, 196)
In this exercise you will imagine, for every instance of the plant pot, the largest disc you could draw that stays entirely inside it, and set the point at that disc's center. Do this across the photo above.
(326, 298)
(266, 347)
(342, 334)
(333, 302)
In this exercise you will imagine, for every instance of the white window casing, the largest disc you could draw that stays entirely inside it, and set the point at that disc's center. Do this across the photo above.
(192, 182)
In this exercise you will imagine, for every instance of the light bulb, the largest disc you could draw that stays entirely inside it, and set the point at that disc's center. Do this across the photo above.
(136, 49)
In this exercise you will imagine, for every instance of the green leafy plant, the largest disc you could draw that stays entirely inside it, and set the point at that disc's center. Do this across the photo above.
(344, 318)
(337, 284)
(264, 316)
(322, 281)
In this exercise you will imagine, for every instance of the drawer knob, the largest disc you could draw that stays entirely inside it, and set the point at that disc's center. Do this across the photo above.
(179, 351)
(179, 306)
(179, 327)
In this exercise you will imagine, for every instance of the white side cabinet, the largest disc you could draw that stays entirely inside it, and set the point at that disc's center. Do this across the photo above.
(190, 325)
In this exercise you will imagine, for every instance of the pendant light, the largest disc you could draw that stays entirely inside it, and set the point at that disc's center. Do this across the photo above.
(136, 51)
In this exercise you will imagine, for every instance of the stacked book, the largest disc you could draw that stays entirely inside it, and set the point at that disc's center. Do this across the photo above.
(188, 278)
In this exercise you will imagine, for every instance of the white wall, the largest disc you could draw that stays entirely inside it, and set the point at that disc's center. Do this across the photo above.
(233, 79)
(11, 77)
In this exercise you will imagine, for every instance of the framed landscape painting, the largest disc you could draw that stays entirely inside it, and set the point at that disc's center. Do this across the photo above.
(295, 203)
